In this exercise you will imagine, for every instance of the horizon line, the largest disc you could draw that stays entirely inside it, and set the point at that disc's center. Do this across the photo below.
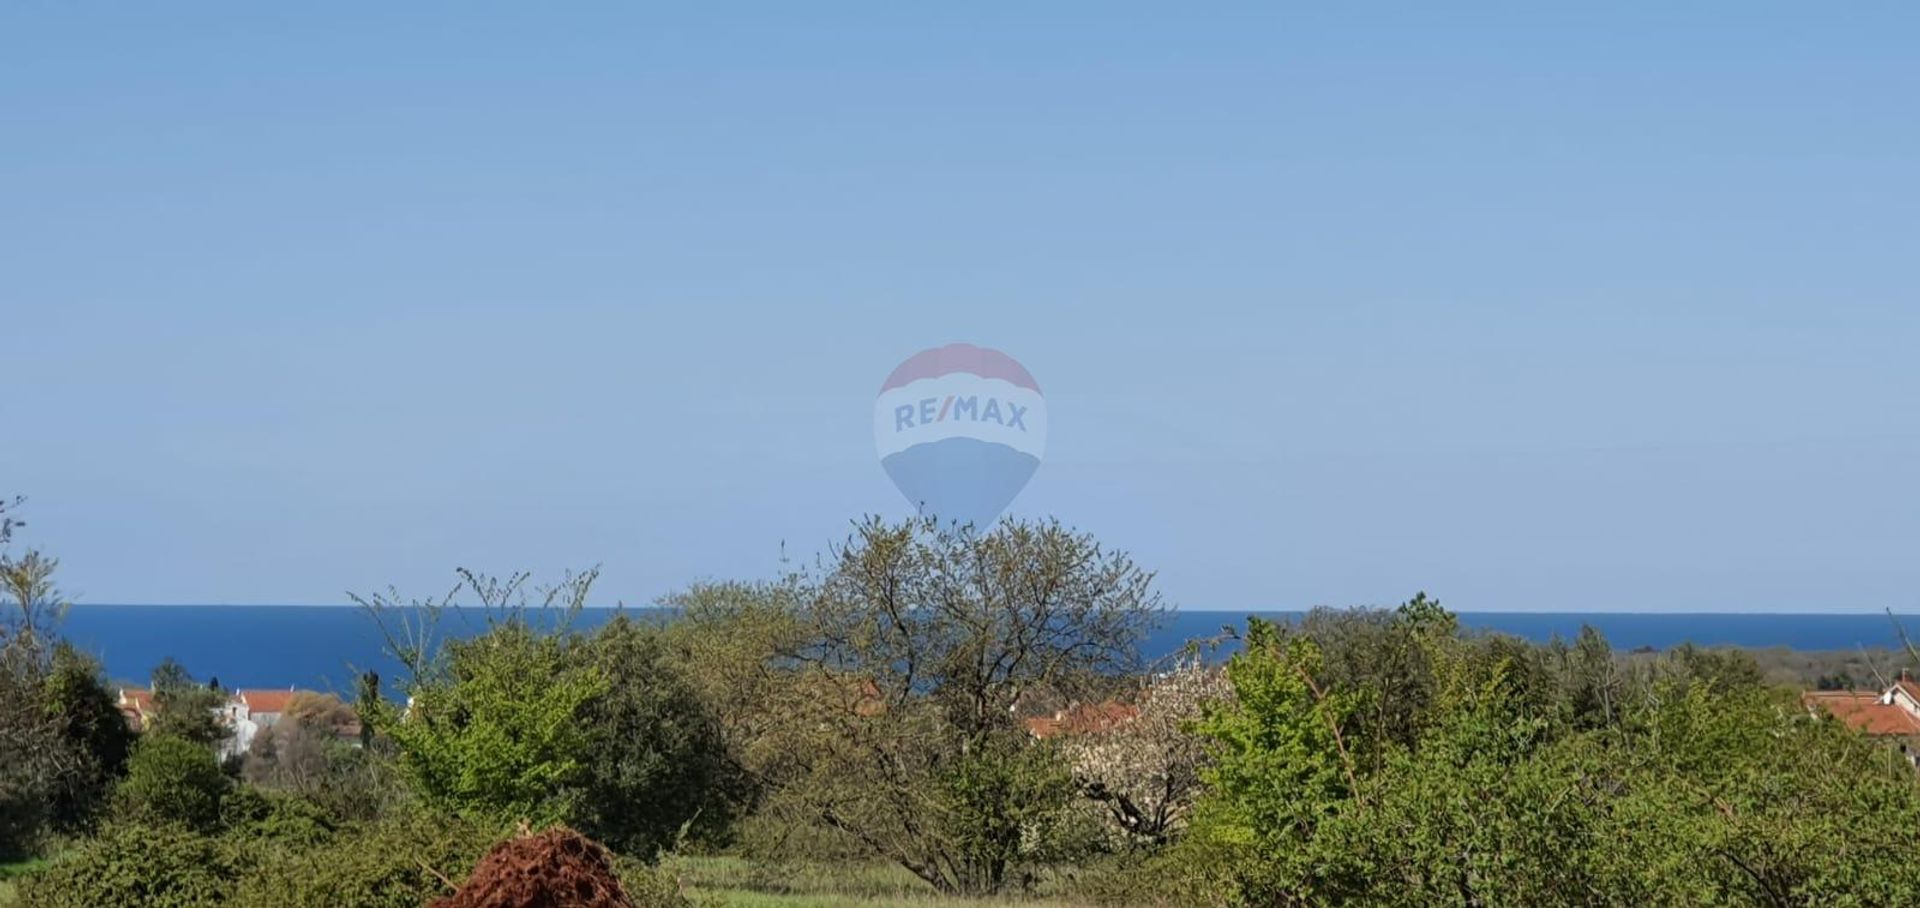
(1847, 612)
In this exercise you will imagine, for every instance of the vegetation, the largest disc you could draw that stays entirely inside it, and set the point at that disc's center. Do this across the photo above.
(893, 727)
(1689, 783)
(173, 781)
(938, 716)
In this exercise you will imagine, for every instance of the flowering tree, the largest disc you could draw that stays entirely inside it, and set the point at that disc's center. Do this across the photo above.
(1145, 769)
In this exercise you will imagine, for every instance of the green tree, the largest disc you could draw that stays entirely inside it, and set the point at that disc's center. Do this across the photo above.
(1280, 766)
(93, 728)
(172, 780)
(655, 758)
(503, 732)
(36, 760)
(185, 708)
(918, 644)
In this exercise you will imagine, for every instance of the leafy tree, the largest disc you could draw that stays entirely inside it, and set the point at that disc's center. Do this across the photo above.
(1280, 765)
(172, 780)
(1596, 687)
(655, 758)
(1691, 783)
(533, 720)
(93, 729)
(33, 757)
(184, 708)
(27, 583)
(917, 646)
(503, 733)
(36, 760)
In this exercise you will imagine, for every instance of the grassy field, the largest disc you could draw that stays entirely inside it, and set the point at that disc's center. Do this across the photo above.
(737, 883)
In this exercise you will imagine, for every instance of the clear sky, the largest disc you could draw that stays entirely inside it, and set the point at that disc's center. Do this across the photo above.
(1537, 307)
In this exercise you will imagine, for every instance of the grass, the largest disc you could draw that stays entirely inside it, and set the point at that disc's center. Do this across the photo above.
(9, 872)
(737, 883)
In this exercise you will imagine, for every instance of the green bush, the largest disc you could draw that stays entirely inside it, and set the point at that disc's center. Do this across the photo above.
(403, 861)
(277, 851)
(131, 866)
(261, 816)
(172, 780)
(649, 885)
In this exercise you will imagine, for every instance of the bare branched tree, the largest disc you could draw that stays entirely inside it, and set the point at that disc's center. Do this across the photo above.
(411, 629)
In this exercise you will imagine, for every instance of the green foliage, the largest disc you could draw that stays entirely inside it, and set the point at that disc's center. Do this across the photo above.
(33, 758)
(133, 866)
(1002, 802)
(502, 733)
(891, 711)
(273, 851)
(655, 759)
(649, 885)
(1279, 763)
(262, 816)
(604, 731)
(171, 780)
(185, 708)
(93, 728)
(1538, 776)
(404, 861)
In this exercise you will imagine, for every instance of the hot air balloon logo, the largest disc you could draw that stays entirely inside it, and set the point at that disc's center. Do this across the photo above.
(960, 429)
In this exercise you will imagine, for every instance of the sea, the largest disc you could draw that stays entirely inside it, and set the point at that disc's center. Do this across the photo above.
(327, 647)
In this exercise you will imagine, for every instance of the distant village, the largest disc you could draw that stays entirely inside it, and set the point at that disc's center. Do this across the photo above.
(1892, 714)
(246, 714)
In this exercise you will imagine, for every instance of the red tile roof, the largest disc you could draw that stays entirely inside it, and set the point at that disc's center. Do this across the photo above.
(267, 701)
(1862, 709)
(1082, 720)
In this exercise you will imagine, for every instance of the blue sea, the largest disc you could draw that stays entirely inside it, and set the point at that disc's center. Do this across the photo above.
(325, 647)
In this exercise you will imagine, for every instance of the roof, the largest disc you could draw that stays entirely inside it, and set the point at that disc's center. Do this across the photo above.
(1082, 720)
(266, 701)
(135, 698)
(1864, 711)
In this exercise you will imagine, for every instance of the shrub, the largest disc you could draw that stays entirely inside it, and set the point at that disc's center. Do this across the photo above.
(649, 885)
(403, 861)
(501, 732)
(172, 780)
(269, 817)
(130, 866)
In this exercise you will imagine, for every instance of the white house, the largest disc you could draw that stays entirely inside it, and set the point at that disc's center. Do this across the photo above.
(250, 712)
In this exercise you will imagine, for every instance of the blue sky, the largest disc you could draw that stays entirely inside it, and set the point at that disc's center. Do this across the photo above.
(1600, 306)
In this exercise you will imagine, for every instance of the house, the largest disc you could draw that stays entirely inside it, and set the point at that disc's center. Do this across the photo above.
(250, 712)
(246, 714)
(1892, 714)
